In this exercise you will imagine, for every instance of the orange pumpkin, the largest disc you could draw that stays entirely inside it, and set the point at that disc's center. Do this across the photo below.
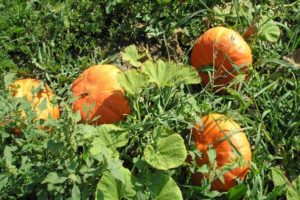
(226, 51)
(213, 132)
(98, 90)
(25, 87)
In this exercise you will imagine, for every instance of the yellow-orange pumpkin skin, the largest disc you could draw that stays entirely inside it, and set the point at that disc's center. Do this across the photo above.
(213, 131)
(25, 87)
(221, 48)
(98, 88)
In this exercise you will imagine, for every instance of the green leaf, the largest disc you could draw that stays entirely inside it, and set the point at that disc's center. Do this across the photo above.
(7, 154)
(133, 81)
(293, 192)
(110, 188)
(237, 192)
(132, 55)
(99, 150)
(75, 193)
(8, 79)
(278, 177)
(161, 2)
(160, 72)
(269, 30)
(115, 167)
(3, 181)
(54, 178)
(170, 73)
(189, 75)
(163, 187)
(167, 152)
(112, 135)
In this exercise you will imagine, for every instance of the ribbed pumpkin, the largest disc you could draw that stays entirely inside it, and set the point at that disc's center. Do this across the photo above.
(215, 128)
(25, 87)
(226, 51)
(98, 90)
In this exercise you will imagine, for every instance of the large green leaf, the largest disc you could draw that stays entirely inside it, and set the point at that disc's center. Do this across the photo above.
(188, 75)
(170, 73)
(132, 55)
(163, 187)
(167, 152)
(269, 30)
(293, 192)
(278, 177)
(110, 188)
(133, 81)
(112, 135)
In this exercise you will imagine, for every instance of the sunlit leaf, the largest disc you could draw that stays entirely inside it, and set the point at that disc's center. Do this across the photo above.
(278, 177)
(133, 81)
(110, 188)
(167, 152)
(293, 192)
(269, 30)
(169, 73)
(112, 135)
(75, 193)
(132, 55)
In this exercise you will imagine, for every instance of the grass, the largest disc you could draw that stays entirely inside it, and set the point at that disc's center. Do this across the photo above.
(55, 41)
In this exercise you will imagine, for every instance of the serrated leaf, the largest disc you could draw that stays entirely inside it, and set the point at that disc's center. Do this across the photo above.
(110, 188)
(189, 75)
(278, 177)
(163, 187)
(133, 81)
(169, 73)
(167, 152)
(269, 30)
(131, 55)
(293, 191)
(160, 72)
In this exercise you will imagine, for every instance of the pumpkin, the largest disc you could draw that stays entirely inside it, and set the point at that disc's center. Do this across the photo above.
(43, 96)
(99, 95)
(222, 134)
(226, 51)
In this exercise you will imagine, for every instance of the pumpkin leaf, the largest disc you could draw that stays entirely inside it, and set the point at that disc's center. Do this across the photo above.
(169, 73)
(112, 135)
(110, 188)
(133, 81)
(167, 152)
(189, 75)
(99, 150)
(269, 30)
(278, 177)
(163, 187)
(131, 55)
(293, 191)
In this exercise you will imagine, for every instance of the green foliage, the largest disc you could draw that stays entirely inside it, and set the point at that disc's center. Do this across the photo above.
(293, 191)
(143, 157)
